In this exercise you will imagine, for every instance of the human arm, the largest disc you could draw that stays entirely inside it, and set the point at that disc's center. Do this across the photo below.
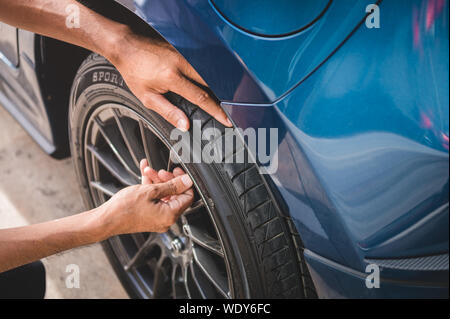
(150, 67)
(134, 209)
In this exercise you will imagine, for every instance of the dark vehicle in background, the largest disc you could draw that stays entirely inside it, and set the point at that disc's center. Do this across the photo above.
(363, 162)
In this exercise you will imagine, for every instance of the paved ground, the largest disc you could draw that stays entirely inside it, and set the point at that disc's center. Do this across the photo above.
(36, 188)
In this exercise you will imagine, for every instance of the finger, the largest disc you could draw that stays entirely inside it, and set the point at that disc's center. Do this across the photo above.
(152, 175)
(178, 204)
(143, 164)
(200, 97)
(190, 191)
(167, 110)
(190, 72)
(175, 186)
(144, 168)
(165, 175)
(177, 172)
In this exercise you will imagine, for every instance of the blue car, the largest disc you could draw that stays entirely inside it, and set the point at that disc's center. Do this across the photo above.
(353, 202)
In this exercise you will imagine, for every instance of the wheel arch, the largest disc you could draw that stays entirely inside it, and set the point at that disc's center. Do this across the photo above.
(55, 77)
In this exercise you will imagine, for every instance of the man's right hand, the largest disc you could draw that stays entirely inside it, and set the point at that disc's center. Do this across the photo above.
(153, 206)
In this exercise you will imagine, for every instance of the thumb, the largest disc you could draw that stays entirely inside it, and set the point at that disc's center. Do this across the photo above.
(175, 186)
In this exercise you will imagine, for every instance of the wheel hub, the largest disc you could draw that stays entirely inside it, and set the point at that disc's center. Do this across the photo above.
(176, 246)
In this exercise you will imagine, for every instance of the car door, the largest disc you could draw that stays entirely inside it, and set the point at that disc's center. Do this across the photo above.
(20, 91)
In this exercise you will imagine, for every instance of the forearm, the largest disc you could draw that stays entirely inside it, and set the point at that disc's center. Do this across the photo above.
(48, 17)
(134, 209)
(22, 245)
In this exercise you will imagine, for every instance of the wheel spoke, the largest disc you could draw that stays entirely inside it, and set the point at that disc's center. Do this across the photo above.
(184, 272)
(117, 145)
(174, 282)
(196, 207)
(211, 271)
(127, 127)
(107, 189)
(203, 239)
(114, 167)
(159, 279)
(144, 143)
(202, 284)
(140, 255)
(196, 281)
(150, 141)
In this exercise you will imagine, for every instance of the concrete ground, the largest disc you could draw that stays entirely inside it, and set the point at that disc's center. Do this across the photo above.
(36, 188)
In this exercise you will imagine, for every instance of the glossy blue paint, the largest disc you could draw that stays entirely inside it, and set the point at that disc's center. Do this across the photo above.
(373, 123)
(366, 134)
(239, 66)
(271, 18)
(363, 125)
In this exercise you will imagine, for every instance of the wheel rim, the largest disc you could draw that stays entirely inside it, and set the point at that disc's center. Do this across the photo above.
(188, 261)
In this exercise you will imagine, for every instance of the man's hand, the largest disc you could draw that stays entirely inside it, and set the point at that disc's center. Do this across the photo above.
(151, 68)
(153, 206)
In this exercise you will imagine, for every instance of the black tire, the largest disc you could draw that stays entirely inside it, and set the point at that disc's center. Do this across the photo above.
(264, 253)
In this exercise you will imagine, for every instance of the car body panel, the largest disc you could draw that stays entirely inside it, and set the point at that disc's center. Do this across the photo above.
(363, 124)
(375, 131)
(20, 91)
(366, 133)
(333, 280)
(268, 18)
(239, 66)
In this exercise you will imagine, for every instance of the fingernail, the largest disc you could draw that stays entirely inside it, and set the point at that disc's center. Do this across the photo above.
(182, 125)
(186, 180)
(147, 169)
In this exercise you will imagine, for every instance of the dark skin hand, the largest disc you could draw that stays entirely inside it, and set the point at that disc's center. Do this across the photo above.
(149, 67)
